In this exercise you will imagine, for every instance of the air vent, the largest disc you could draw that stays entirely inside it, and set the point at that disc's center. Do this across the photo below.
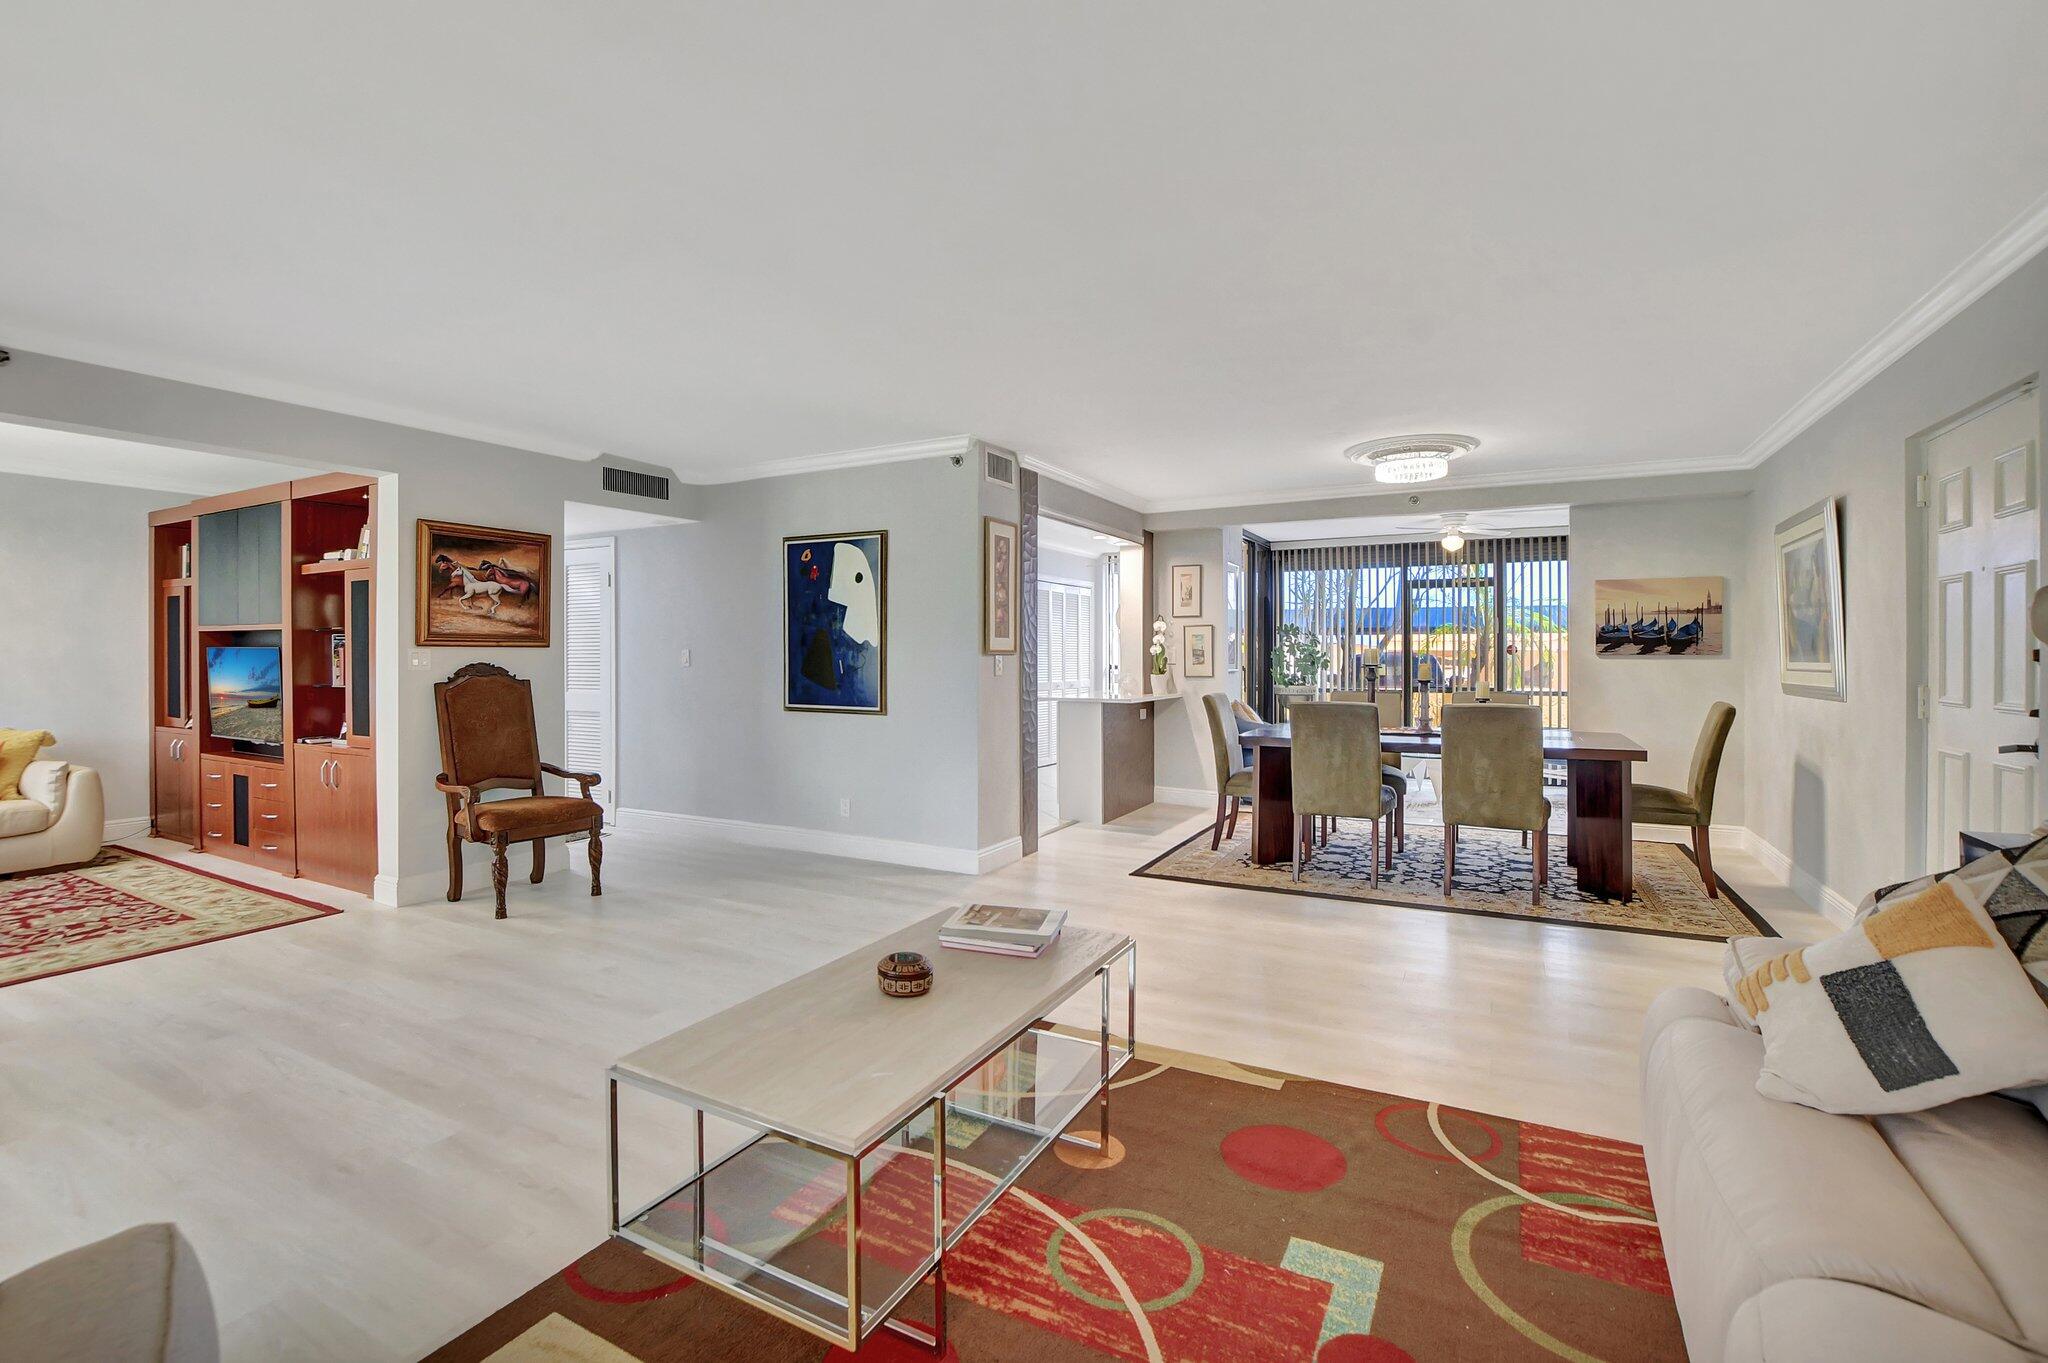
(1000, 466)
(635, 484)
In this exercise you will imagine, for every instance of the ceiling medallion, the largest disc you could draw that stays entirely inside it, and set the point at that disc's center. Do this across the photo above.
(1411, 458)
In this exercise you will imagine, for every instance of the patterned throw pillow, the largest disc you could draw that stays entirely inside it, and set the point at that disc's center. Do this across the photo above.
(2012, 885)
(1920, 1003)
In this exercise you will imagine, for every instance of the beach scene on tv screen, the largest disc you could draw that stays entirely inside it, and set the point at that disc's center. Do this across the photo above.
(243, 693)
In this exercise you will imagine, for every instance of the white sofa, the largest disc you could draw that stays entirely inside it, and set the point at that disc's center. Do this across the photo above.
(1793, 1234)
(60, 821)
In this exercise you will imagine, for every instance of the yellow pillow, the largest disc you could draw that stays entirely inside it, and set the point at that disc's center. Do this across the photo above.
(18, 748)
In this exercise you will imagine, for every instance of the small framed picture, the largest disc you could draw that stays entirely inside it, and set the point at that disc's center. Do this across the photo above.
(1198, 649)
(998, 585)
(1187, 589)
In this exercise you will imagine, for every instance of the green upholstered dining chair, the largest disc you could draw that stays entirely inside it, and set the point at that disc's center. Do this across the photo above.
(1233, 777)
(1493, 778)
(1692, 807)
(1336, 763)
(1390, 772)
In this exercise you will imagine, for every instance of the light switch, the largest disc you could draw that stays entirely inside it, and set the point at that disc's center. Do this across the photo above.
(420, 659)
(686, 657)
(999, 665)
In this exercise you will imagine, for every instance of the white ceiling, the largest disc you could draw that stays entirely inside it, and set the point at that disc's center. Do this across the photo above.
(1075, 539)
(1184, 248)
(79, 458)
(1516, 520)
(593, 518)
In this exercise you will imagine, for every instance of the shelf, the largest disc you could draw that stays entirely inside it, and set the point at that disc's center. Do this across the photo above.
(333, 566)
(235, 629)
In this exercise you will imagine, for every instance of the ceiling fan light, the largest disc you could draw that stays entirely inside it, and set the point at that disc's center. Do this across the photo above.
(1453, 541)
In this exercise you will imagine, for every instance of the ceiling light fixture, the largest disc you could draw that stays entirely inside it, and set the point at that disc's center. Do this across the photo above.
(1454, 539)
(1411, 458)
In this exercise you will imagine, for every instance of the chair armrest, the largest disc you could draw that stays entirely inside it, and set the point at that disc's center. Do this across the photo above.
(583, 779)
(464, 795)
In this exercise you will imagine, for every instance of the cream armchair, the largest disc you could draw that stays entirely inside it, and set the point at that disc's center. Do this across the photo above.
(60, 820)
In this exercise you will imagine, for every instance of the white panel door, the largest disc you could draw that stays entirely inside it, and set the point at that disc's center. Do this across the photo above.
(1984, 546)
(589, 656)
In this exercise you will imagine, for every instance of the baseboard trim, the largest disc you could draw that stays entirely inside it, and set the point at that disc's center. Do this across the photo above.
(1184, 795)
(1837, 908)
(118, 829)
(966, 861)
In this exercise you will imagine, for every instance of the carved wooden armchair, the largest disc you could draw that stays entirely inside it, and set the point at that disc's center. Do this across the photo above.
(488, 743)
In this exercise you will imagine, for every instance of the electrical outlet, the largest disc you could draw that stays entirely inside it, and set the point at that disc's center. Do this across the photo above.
(999, 665)
(846, 809)
(686, 657)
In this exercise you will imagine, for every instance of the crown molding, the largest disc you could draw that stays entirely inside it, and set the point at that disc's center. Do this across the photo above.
(1109, 492)
(1982, 271)
(1572, 473)
(298, 395)
(946, 446)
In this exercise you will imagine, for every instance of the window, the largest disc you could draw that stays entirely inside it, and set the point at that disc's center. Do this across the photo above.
(1066, 656)
(1495, 609)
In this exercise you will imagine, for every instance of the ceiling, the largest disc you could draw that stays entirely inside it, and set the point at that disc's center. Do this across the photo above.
(1184, 249)
(1514, 520)
(44, 453)
(1075, 539)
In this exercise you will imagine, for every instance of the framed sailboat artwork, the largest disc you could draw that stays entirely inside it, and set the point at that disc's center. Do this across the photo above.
(1660, 617)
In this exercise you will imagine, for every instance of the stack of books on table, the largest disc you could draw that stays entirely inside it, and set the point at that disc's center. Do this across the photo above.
(1002, 929)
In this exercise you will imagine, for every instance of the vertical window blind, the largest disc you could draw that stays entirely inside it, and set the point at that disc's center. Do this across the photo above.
(1495, 609)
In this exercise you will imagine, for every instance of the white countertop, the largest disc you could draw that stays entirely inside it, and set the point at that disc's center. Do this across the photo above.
(1120, 700)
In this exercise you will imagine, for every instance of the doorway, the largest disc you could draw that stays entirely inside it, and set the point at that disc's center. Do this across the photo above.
(1982, 556)
(1079, 637)
(589, 665)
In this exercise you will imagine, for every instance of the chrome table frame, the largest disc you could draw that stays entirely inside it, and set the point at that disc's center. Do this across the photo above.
(933, 1266)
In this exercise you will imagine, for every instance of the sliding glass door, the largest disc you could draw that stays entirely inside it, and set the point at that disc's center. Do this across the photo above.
(1495, 610)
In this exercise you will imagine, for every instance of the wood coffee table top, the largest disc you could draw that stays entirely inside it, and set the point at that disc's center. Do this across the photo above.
(828, 1058)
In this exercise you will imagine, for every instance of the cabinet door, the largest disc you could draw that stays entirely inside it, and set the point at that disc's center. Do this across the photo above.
(337, 816)
(176, 785)
(241, 566)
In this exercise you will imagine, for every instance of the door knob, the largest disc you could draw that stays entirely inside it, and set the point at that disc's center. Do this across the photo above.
(2034, 748)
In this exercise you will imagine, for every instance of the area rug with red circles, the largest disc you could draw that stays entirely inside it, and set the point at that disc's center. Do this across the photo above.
(1242, 1215)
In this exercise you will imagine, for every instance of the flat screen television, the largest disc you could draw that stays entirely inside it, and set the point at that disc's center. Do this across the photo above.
(245, 695)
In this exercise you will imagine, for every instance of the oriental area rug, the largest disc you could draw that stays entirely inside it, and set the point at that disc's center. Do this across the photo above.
(126, 904)
(1493, 879)
(1239, 1215)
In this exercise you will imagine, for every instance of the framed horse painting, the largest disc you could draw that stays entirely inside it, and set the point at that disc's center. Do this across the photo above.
(835, 622)
(481, 588)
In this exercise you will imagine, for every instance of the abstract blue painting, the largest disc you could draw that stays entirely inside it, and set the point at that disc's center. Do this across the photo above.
(835, 609)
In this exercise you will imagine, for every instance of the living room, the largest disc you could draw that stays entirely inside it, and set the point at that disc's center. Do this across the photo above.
(589, 751)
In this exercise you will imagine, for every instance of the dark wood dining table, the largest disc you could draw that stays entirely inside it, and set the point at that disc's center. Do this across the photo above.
(1598, 771)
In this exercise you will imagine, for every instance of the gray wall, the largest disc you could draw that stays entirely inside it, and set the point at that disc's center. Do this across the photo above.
(1182, 759)
(74, 596)
(1837, 785)
(430, 475)
(1658, 700)
(713, 740)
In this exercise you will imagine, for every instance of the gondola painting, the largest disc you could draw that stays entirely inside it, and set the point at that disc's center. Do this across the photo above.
(1641, 617)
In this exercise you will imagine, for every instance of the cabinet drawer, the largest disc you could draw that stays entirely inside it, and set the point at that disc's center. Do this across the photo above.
(268, 783)
(273, 853)
(216, 820)
(269, 817)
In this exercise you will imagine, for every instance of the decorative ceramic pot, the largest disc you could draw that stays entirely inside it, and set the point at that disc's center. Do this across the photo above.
(904, 975)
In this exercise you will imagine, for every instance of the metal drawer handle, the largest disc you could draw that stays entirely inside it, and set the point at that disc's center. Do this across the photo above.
(213, 776)
(268, 785)
(216, 835)
(270, 816)
(213, 804)
(270, 847)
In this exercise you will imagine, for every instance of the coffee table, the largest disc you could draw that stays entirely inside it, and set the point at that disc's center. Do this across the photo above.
(877, 1129)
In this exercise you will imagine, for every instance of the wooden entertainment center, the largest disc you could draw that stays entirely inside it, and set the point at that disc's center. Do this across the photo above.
(242, 597)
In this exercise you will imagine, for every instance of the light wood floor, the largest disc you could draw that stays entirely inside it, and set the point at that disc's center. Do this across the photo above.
(380, 1126)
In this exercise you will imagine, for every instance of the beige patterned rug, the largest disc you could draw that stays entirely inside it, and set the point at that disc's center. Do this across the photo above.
(1493, 879)
(127, 904)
